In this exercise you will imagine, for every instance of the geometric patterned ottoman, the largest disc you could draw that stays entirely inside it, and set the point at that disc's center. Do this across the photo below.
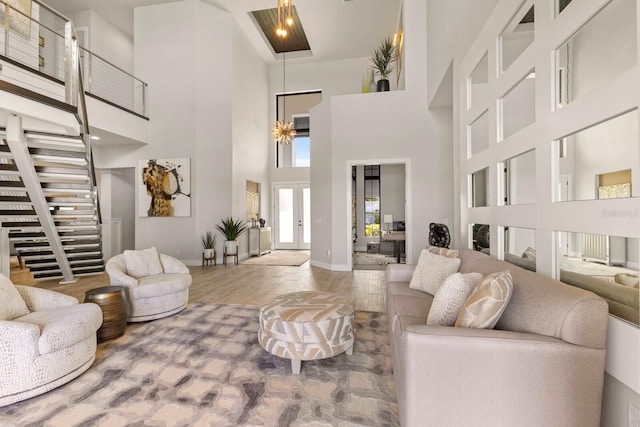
(307, 326)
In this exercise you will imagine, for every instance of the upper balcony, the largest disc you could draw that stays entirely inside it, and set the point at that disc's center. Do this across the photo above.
(32, 55)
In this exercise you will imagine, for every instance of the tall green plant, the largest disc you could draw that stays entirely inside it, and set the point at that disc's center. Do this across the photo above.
(383, 57)
(231, 228)
(208, 240)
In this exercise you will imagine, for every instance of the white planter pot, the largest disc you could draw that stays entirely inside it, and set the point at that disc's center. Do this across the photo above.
(231, 246)
(208, 253)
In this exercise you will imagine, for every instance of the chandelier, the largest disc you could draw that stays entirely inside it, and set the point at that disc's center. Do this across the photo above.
(284, 17)
(283, 132)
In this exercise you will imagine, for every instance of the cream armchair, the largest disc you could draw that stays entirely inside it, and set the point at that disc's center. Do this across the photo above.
(156, 285)
(46, 340)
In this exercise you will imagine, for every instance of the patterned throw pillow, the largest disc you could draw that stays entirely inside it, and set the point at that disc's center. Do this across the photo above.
(449, 253)
(431, 271)
(450, 298)
(142, 263)
(11, 303)
(487, 302)
(529, 253)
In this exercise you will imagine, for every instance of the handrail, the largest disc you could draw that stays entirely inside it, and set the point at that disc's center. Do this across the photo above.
(113, 65)
(107, 81)
(50, 9)
(83, 108)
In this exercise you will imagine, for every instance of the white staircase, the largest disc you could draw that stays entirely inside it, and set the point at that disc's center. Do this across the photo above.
(48, 194)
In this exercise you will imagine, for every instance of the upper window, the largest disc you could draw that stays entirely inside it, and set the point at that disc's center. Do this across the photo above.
(298, 153)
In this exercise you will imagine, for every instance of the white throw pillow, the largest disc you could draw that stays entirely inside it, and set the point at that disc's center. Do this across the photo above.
(431, 271)
(142, 263)
(11, 303)
(450, 298)
(487, 302)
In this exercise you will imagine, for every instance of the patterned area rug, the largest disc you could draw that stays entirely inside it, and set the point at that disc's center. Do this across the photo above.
(204, 367)
(279, 257)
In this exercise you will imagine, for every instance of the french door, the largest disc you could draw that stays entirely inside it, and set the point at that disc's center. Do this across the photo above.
(292, 216)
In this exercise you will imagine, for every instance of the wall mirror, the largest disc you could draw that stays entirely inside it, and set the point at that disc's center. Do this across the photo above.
(520, 179)
(253, 203)
(601, 49)
(479, 188)
(478, 83)
(520, 247)
(599, 162)
(606, 265)
(560, 5)
(478, 135)
(518, 35)
(517, 107)
(480, 237)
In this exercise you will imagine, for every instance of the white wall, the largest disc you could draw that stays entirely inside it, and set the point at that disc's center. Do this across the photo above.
(250, 129)
(123, 203)
(382, 128)
(451, 27)
(105, 39)
(196, 113)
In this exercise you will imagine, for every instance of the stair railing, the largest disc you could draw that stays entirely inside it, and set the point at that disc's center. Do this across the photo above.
(74, 95)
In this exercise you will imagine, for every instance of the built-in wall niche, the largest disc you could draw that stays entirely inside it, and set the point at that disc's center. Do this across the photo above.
(520, 247)
(601, 49)
(253, 202)
(478, 83)
(599, 162)
(517, 107)
(520, 179)
(614, 185)
(479, 185)
(606, 265)
(518, 35)
(480, 237)
(478, 135)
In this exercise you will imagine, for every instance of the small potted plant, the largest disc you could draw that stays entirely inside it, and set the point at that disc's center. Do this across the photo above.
(231, 229)
(382, 59)
(209, 244)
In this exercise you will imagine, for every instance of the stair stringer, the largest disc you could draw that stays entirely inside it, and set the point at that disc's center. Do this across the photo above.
(17, 143)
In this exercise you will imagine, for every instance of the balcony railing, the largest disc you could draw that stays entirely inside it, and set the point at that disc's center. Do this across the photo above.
(39, 44)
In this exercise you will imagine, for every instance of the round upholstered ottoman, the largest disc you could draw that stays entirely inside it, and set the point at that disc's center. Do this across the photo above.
(307, 326)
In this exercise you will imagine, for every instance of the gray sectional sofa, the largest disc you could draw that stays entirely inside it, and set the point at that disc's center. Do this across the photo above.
(543, 364)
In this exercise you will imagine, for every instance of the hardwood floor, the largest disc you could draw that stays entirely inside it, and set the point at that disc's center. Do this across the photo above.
(247, 284)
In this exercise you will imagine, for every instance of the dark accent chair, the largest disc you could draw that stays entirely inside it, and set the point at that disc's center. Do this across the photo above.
(439, 235)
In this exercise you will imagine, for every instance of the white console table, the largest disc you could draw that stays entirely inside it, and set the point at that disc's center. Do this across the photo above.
(259, 240)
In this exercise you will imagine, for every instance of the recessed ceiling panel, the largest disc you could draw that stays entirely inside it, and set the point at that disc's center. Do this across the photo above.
(296, 39)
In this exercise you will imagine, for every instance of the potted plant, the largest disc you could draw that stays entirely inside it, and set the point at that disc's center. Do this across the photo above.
(231, 229)
(382, 59)
(209, 244)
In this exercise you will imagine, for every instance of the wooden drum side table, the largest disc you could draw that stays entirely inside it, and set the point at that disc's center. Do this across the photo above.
(113, 303)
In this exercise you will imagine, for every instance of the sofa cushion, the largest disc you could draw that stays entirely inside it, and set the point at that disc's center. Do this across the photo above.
(450, 298)
(160, 284)
(142, 263)
(431, 271)
(449, 253)
(487, 302)
(11, 303)
(60, 329)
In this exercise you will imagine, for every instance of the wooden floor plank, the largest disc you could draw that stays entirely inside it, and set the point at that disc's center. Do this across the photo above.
(246, 284)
